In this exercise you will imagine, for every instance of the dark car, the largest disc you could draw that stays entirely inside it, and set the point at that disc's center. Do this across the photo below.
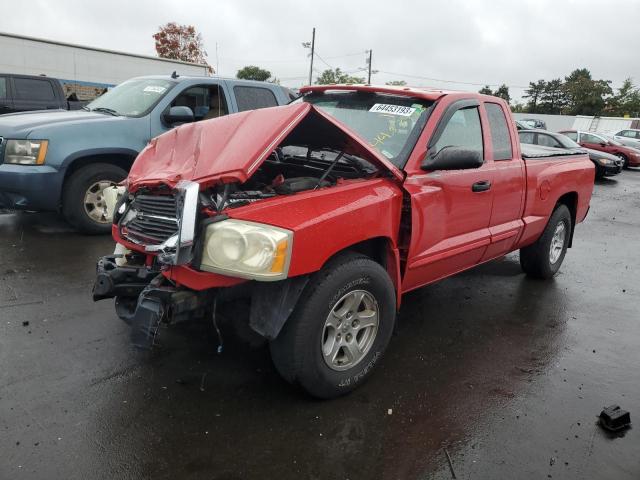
(24, 93)
(629, 156)
(534, 123)
(606, 164)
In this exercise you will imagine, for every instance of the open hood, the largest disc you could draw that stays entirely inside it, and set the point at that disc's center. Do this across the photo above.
(231, 148)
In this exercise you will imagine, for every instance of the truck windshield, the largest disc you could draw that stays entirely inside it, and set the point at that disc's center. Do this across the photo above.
(391, 124)
(133, 98)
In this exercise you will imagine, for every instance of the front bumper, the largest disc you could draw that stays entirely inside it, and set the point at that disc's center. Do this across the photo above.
(25, 187)
(609, 170)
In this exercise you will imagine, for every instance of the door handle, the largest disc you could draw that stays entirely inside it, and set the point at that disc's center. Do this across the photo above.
(481, 186)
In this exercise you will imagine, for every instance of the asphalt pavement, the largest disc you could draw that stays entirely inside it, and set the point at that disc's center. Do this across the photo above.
(502, 374)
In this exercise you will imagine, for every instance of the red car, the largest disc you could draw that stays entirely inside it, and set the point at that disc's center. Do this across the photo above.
(630, 156)
(324, 212)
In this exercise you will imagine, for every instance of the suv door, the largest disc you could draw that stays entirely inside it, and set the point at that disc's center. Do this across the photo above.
(33, 94)
(450, 209)
(6, 105)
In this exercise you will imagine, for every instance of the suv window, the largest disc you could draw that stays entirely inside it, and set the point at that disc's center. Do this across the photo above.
(251, 98)
(500, 137)
(33, 89)
(463, 130)
(205, 102)
(572, 135)
(548, 141)
(3, 87)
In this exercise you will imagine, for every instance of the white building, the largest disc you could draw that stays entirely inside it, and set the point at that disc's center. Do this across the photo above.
(83, 69)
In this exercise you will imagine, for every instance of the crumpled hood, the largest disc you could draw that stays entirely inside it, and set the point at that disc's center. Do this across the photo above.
(231, 148)
(20, 124)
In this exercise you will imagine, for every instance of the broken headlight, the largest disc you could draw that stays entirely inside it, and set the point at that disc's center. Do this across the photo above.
(247, 250)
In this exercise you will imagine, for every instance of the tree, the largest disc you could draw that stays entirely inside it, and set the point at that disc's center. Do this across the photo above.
(626, 101)
(180, 42)
(251, 72)
(396, 83)
(503, 92)
(552, 98)
(486, 90)
(337, 76)
(533, 93)
(584, 95)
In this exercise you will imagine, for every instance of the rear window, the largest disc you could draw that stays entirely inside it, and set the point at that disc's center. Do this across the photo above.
(500, 137)
(33, 89)
(251, 98)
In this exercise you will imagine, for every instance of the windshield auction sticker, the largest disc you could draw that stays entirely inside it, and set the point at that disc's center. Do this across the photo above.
(392, 109)
(154, 89)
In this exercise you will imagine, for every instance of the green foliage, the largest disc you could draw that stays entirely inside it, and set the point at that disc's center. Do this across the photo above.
(396, 83)
(486, 90)
(502, 91)
(251, 72)
(337, 76)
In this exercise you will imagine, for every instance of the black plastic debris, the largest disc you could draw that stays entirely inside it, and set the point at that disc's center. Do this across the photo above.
(614, 419)
(25, 323)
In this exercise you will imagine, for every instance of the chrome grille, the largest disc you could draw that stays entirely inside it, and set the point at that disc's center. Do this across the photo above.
(155, 219)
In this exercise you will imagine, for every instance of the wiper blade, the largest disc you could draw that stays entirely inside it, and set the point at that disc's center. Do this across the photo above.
(110, 111)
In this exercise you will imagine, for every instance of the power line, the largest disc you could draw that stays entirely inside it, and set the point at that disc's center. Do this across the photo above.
(451, 81)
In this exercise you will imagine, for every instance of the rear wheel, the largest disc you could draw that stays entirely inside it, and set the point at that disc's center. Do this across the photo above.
(339, 329)
(83, 202)
(543, 258)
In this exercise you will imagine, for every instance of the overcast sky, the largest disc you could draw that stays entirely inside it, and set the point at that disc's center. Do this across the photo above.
(478, 42)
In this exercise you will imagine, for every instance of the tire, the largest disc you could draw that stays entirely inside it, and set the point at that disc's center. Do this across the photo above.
(599, 172)
(297, 352)
(537, 260)
(76, 191)
(624, 159)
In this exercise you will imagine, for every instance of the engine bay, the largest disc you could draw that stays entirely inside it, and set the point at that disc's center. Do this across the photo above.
(288, 170)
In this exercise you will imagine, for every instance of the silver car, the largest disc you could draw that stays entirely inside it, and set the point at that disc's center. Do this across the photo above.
(629, 137)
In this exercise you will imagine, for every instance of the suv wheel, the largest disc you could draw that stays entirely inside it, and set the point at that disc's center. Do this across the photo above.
(83, 202)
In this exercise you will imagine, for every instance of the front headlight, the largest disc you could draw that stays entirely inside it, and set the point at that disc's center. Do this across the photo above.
(247, 249)
(25, 152)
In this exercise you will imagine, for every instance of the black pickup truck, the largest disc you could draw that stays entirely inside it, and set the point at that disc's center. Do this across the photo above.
(22, 93)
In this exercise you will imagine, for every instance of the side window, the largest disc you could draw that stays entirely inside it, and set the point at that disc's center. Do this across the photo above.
(527, 137)
(500, 136)
(205, 101)
(251, 98)
(3, 87)
(572, 135)
(33, 89)
(463, 130)
(588, 138)
(548, 141)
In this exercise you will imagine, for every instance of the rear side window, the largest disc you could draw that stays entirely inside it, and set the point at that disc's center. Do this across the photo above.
(463, 130)
(572, 135)
(500, 137)
(527, 137)
(33, 89)
(3, 87)
(250, 98)
(588, 138)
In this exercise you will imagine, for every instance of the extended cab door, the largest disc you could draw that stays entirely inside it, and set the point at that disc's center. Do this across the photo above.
(450, 210)
(509, 180)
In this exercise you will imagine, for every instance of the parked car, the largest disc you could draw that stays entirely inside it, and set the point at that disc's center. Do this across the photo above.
(534, 123)
(22, 93)
(629, 156)
(606, 164)
(63, 160)
(629, 137)
(522, 126)
(326, 211)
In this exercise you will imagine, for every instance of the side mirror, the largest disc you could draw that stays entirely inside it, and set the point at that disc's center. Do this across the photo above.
(453, 158)
(177, 115)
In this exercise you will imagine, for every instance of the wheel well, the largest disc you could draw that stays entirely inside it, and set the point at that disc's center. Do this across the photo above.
(121, 160)
(571, 201)
(374, 248)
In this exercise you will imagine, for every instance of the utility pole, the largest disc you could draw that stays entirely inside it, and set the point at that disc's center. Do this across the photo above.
(313, 46)
(369, 62)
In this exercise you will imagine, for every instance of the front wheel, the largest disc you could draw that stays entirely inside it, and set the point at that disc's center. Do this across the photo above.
(83, 203)
(543, 258)
(625, 160)
(339, 329)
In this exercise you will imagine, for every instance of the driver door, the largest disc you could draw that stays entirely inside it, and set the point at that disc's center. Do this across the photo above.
(450, 210)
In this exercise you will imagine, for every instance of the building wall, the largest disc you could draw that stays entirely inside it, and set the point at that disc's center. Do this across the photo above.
(71, 63)
(555, 123)
(602, 124)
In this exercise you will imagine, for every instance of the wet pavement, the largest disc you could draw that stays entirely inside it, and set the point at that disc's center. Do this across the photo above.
(504, 374)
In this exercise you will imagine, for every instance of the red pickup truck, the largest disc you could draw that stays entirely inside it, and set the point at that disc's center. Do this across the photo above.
(324, 212)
